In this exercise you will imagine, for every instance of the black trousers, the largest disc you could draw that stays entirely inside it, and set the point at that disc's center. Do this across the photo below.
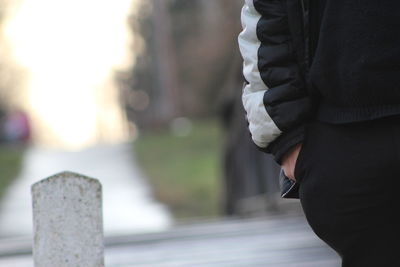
(349, 178)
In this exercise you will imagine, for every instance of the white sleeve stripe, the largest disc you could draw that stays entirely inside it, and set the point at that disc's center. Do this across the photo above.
(249, 45)
(261, 126)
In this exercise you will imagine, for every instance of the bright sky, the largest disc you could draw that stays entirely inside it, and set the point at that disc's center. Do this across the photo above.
(70, 49)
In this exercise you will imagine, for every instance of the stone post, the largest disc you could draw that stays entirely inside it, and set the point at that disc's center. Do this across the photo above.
(67, 221)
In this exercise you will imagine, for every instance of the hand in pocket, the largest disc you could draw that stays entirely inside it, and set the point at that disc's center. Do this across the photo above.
(289, 161)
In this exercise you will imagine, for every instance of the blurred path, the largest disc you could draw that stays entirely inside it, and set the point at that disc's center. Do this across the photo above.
(275, 241)
(128, 205)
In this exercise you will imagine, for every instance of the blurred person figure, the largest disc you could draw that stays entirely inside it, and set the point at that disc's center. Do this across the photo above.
(322, 95)
(250, 176)
(2, 121)
(15, 127)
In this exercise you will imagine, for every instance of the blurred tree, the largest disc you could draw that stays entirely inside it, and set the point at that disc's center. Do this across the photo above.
(188, 64)
(188, 48)
(166, 69)
(207, 47)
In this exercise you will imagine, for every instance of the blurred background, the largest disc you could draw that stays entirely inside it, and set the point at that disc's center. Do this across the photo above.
(142, 95)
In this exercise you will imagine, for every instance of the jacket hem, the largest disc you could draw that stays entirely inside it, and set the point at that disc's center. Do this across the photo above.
(280, 146)
(333, 114)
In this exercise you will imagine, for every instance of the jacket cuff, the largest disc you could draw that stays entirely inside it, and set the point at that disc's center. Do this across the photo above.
(285, 142)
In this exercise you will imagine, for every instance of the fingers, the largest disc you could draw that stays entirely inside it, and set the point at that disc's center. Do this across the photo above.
(289, 172)
(289, 162)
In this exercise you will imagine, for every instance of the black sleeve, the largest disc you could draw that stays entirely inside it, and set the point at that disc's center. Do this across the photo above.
(273, 72)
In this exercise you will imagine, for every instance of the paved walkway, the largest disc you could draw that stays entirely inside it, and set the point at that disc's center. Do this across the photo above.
(128, 205)
(129, 209)
(277, 241)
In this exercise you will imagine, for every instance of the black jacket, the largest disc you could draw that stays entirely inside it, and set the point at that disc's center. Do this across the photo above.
(334, 60)
(337, 61)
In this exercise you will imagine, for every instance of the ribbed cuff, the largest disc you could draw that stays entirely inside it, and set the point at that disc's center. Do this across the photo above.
(285, 142)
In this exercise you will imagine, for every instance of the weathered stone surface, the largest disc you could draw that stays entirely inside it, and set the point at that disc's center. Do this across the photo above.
(67, 221)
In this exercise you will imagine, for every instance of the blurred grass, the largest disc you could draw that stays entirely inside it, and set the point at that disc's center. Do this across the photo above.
(10, 164)
(184, 171)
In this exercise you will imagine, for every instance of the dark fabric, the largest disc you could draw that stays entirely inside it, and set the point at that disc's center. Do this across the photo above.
(285, 142)
(289, 188)
(316, 13)
(282, 66)
(334, 114)
(349, 176)
(356, 66)
(339, 58)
